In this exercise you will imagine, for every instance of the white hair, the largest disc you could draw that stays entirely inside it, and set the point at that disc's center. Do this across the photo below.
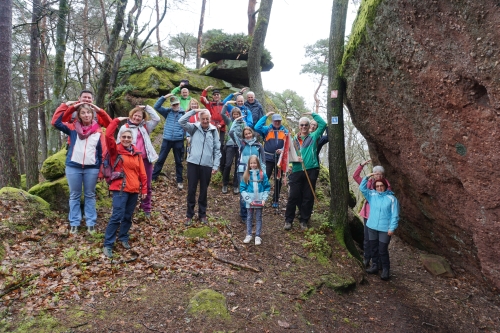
(206, 112)
(304, 119)
(378, 168)
(251, 93)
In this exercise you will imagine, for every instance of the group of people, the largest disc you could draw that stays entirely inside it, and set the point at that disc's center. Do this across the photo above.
(135, 163)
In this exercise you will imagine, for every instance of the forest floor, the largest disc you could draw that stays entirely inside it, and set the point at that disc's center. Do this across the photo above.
(52, 282)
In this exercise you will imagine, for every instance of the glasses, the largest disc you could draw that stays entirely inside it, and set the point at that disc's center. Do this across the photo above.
(304, 125)
(126, 137)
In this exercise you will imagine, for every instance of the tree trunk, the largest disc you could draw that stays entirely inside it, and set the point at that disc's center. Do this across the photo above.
(255, 52)
(316, 97)
(104, 16)
(41, 89)
(54, 135)
(200, 34)
(338, 169)
(9, 175)
(85, 51)
(107, 65)
(251, 16)
(158, 40)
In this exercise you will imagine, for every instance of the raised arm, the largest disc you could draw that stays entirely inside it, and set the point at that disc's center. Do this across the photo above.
(260, 126)
(154, 121)
(158, 106)
(236, 131)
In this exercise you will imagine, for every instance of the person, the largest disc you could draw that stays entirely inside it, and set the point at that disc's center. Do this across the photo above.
(378, 173)
(203, 161)
(193, 105)
(274, 140)
(240, 104)
(182, 93)
(313, 125)
(254, 188)
(86, 96)
(231, 152)
(126, 188)
(382, 222)
(254, 106)
(173, 137)
(83, 161)
(248, 145)
(302, 186)
(140, 124)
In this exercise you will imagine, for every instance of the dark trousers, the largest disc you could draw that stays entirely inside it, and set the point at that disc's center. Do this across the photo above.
(166, 146)
(272, 169)
(301, 195)
(123, 208)
(232, 157)
(222, 138)
(379, 247)
(366, 241)
(197, 174)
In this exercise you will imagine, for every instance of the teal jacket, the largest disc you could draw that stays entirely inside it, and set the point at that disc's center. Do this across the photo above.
(384, 208)
(309, 147)
(258, 187)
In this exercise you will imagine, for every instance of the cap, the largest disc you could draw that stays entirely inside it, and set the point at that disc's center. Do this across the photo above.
(174, 100)
(276, 117)
(215, 91)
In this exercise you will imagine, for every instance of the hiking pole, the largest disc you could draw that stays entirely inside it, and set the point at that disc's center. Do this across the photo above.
(276, 185)
(297, 148)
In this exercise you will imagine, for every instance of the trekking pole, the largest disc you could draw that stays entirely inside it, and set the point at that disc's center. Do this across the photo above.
(297, 148)
(276, 185)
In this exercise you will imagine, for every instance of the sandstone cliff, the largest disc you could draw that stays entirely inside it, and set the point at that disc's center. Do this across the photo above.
(423, 87)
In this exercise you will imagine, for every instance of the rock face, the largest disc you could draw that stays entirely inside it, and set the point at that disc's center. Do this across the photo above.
(423, 87)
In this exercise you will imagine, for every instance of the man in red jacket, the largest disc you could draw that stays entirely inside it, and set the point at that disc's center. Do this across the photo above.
(215, 107)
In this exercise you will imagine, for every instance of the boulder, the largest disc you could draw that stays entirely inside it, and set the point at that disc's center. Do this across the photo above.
(56, 193)
(235, 70)
(423, 88)
(54, 166)
(209, 303)
(33, 207)
(436, 265)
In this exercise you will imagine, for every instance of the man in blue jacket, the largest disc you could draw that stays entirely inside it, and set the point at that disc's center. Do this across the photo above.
(173, 137)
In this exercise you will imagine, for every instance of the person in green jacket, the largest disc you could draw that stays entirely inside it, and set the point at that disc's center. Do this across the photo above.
(183, 95)
(301, 193)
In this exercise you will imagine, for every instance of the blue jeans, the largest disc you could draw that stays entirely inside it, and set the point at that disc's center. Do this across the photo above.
(243, 207)
(123, 208)
(166, 146)
(78, 177)
(258, 221)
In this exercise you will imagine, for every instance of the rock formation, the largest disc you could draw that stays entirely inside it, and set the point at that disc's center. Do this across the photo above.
(423, 87)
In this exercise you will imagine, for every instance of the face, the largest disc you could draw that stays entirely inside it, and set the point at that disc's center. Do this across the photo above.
(304, 128)
(184, 92)
(176, 106)
(253, 164)
(240, 101)
(312, 126)
(250, 98)
(205, 120)
(248, 135)
(216, 97)
(378, 175)
(137, 117)
(86, 98)
(236, 114)
(276, 123)
(126, 139)
(85, 116)
(379, 186)
(193, 105)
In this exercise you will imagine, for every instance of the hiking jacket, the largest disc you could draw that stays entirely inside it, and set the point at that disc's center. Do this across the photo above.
(205, 144)
(101, 116)
(273, 138)
(365, 210)
(184, 100)
(86, 153)
(132, 166)
(247, 148)
(258, 187)
(245, 111)
(145, 127)
(256, 109)
(215, 109)
(308, 147)
(172, 131)
(384, 208)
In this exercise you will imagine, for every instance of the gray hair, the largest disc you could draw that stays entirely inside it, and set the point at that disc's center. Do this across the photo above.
(378, 168)
(305, 119)
(251, 93)
(126, 130)
(207, 112)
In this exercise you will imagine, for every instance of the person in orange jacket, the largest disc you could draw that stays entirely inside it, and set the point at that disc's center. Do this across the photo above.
(129, 180)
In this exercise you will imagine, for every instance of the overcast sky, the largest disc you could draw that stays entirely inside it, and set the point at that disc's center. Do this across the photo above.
(293, 25)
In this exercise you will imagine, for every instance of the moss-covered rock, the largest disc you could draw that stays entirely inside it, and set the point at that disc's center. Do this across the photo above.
(209, 303)
(23, 182)
(56, 193)
(201, 232)
(33, 207)
(54, 167)
(339, 283)
(42, 323)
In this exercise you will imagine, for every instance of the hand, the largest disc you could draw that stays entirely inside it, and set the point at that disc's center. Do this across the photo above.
(366, 162)
(69, 103)
(307, 113)
(279, 151)
(214, 171)
(199, 110)
(300, 159)
(168, 95)
(370, 174)
(141, 106)
(122, 118)
(239, 118)
(100, 179)
(97, 109)
(188, 139)
(270, 113)
(243, 90)
(209, 87)
(143, 196)
(231, 102)
(390, 232)
(181, 85)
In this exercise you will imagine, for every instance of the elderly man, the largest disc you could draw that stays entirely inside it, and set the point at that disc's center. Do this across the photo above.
(301, 191)
(183, 95)
(173, 137)
(254, 106)
(202, 162)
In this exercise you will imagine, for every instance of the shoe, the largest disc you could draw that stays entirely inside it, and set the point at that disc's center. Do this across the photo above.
(303, 225)
(91, 230)
(247, 239)
(73, 230)
(236, 190)
(373, 269)
(258, 240)
(366, 262)
(275, 205)
(243, 220)
(224, 189)
(180, 186)
(108, 252)
(126, 245)
(204, 220)
(147, 215)
(385, 274)
(287, 226)
(188, 221)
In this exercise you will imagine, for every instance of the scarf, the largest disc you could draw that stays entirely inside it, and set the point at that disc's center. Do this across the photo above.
(85, 131)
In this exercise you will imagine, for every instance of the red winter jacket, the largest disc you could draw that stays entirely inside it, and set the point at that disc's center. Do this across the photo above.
(215, 109)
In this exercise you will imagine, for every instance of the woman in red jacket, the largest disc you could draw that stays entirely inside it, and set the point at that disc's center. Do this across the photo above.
(126, 187)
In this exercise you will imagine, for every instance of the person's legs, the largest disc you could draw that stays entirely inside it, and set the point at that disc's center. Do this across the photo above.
(249, 220)
(295, 182)
(127, 217)
(164, 150)
(146, 203)
(227, 167)
(258, 221)
(193, 178)
(236, 160)
(383, 249)
(243, 208)
(374, 247)
(177, 146)
(366, 246)
(89, 183)
(205, 175)
(75, 180)
(307, 204)
(119, 202)
(222, 137)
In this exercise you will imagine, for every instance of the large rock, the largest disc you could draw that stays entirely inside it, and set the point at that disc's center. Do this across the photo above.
(235, 70)
(56, 193)
(33, 207)
(54, 166)
(423, 87)
(209, 303)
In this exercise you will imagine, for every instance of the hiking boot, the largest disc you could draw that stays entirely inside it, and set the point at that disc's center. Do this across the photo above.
(236, 190)
(275, 205)
(73, 230)
(180, 186)
(247, 239)
(108, 252)
(373, 269)
(258, 240)
(126, 245)
(189, 221)
(385, 274)
(287, 226)
(303, 225)
(243, 220)
(224, 189)
(366, 262)
(91, 230)
(204, 220)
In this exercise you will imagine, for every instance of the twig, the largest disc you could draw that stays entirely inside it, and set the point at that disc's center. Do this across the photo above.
(80, 325)
(244, 266)
(151, 329)
(424, 323)
(18, 285)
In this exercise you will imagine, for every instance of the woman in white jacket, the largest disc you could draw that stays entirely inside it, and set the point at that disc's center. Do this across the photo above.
(142, 120)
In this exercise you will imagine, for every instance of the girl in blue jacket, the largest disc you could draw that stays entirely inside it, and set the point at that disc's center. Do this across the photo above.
(254, 188)
(383, 220)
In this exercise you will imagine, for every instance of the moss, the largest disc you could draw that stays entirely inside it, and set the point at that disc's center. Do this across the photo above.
(23, 183)
(216, 179)
(201, 232)
(36, 203)
(339, 283)
(103, 200)
(366, 16)
(43, 323)
(320, 258)
(54, 167)
(56, 193)
(209, 303)
(207, 69)
(2, 252)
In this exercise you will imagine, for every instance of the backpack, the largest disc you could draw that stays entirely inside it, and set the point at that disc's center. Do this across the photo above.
(108, 170)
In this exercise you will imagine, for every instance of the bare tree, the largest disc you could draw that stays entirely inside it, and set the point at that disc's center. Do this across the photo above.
(158, 40)
(200, 34)
(41, 88)
(318, 66)
(251, 16)
(183, 45)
